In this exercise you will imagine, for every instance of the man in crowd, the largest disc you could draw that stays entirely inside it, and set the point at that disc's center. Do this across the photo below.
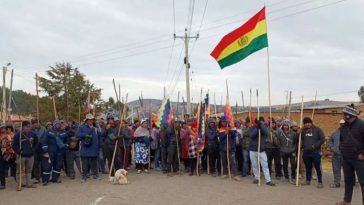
(259, 132)
(25, 144)
(352, 150)
(312, 139)
(172, 157)
(212, 144)
(272, 149)
(39, 130)
(337, 158)
(73, 151)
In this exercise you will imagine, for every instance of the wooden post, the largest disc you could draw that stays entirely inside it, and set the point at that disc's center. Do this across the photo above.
(54, 108)
(10, 95)
(37, 92)
(227, 137)
(177, 140)
(259, 139)
(4, 114)
(20, 158)
(289, 105)
(242, 98)
(314, 106)
(299, 148)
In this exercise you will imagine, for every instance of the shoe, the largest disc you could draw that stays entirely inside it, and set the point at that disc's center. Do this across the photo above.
(170, 174)
(45, 183)
(334, 185)
(342, 203)
(57, 182)
(104, 172)
(237, 178)
(146, 171)
(306, 183)
(72, 177)
(31, 186)
(95, 177)
(244, 175)
(2, 187)
(256, 181)
(270, 184)
(224, 176)
(139, 171)
(36, 181)
(18, 189)
(278, 178)
(314, 178)
(83, 180)
(190, 174)
(320, 185)
(214, 174)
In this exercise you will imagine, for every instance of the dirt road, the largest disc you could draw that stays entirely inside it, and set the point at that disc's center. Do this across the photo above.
(157, 188)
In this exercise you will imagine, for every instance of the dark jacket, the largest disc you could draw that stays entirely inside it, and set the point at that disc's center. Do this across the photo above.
(272, 139)
(312, 139)
(212, 137)
(171, 136)
(334, 141)
(287, 142)
(163, 136)
(245, 139)
(352, 139)
(93, 149)
(27, 149)
(223, 139)
(254, 138)
(54, 140)
(72, 142)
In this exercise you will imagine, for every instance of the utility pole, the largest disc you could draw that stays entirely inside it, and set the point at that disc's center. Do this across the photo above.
(5, 68)
(186, 38)
(37, 92)
(10, 95)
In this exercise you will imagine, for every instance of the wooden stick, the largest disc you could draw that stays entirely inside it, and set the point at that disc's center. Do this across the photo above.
(314, 106)
(242, 98)
(215, 107)
(289, 105)
(269, 96)
(227, 138)
(259, 139)
(20, 158)
(177, 141)
(54, 108)
(299, 148)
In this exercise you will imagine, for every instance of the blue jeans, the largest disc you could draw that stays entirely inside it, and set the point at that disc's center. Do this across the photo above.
(102, 161)
(245, 164)
(156, 158)
(263, 162)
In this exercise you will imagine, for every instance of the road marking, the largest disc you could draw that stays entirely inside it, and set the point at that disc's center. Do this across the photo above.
(98, 200)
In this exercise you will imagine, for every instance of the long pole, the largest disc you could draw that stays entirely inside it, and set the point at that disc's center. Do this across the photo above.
(215, 107)
(259, 139)
(20, 158)
(37, 92)
(227, 136)
(289, 105)
(314, 106)
(177, 140)
(299, 148)
(4, 94)
(10, 94)
(242, 98)
(79, 113)
(54, 108)
(269, 96)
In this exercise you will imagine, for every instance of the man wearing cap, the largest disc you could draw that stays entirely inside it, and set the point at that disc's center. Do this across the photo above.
(73, 151)
(256, 131)
(245, 148)
(352, 150)
(312, 139)
(227, 147)
(53, 147)
(25, 144)
(37, 168)
(337, 161)
(90, 144)
(272, 150)
(212, 145)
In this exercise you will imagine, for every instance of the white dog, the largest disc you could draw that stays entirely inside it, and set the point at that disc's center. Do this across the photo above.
(120, 177)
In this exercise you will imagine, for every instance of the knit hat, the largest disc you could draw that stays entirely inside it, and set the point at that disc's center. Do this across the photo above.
(55, 123)
(294, 124)
(307, 120)
(26, 123)
(350, 110)
(210, 120)
(222, 119)
(286, 122)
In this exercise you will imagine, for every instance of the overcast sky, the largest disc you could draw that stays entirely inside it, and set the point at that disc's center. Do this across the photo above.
(313, 45)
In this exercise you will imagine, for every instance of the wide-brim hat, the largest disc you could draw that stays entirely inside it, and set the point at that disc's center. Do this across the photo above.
(89, 116)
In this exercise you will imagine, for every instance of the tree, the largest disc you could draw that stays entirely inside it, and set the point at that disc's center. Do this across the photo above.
(361, 93)
(70, 89)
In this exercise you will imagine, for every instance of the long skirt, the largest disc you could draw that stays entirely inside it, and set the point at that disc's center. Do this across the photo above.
(141, 153)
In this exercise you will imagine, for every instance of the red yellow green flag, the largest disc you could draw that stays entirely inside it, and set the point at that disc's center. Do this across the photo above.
(243, 41)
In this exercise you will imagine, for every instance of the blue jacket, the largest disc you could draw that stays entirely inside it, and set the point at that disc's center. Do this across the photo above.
(93, 149)
(334, 141)
(27, 149)
(211, 137)
(254, 138)
(232, 140)
(55, 141)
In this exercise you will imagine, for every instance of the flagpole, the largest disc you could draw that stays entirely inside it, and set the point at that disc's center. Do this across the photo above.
(215, 107)
(259, 139)
(299, 148)
(314, 106)
(227, 135)
(177, 140)
(242, 97)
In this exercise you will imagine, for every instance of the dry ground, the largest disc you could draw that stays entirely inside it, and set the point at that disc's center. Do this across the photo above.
(157, 188)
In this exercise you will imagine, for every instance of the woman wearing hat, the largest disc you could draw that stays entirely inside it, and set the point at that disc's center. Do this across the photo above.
(141, 139)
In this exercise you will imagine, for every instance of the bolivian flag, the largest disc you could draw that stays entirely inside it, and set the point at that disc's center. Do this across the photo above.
(243, 41)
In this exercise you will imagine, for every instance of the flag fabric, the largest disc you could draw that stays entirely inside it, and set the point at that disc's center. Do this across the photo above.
(207, 104)
(243, 41)
(201, 125)
(164, 114)
(87, 104)
(228, 114)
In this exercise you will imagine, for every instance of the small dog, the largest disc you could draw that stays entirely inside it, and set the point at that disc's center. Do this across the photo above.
(120, 177)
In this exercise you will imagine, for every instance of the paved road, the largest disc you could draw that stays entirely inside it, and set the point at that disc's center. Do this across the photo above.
(157, 188)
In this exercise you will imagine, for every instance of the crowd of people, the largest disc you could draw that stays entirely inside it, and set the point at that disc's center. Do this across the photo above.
(252, 145)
